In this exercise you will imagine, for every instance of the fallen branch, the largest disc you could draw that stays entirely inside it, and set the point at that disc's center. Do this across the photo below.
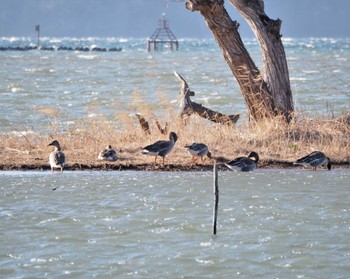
(188, 107)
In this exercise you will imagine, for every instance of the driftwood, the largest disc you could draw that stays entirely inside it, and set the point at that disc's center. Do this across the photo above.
(143, 123)
(162, 130)
(188, 107)
(145, 126)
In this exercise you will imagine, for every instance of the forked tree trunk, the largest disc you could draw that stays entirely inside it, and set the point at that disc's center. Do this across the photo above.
(266, 95)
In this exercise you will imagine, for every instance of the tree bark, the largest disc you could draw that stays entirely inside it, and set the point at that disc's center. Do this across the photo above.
(188, 107)
(266, 95)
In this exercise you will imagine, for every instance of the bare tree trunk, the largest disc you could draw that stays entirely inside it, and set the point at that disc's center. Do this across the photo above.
(266, 95)
(275, 68)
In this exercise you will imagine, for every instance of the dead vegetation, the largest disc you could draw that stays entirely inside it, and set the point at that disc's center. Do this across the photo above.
(275, 141)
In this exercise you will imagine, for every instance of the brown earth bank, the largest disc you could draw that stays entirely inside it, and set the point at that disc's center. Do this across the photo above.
(157, 167)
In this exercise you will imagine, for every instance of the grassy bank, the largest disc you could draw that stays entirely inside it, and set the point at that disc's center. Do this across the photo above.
(278, 144)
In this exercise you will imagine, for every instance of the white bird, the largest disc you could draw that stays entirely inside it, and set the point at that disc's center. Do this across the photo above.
(161, 147)
(244, 163)
(314, 159)
(57, 159)
(108, 154)
(198, 150)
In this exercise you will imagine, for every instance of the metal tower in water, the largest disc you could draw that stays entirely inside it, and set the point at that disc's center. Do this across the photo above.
(162, 36)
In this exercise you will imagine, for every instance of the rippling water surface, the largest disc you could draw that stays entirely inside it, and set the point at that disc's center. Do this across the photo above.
(39, 88)
(272, 224)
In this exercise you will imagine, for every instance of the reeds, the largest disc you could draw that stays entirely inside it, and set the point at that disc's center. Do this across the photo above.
(273, 140)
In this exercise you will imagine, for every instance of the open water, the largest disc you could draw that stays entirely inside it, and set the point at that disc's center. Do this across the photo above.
(271, 224)
(41, 88)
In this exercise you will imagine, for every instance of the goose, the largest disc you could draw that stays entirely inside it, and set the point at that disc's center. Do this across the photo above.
(161, 148)
(198, 150)
(56, 158)
(244, 163)
(108, 154)
(314, 159)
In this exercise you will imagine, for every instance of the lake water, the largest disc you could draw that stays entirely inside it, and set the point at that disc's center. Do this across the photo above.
(43, 88)
(271, 224)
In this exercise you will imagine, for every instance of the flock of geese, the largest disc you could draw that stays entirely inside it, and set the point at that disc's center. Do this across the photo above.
(162, 148)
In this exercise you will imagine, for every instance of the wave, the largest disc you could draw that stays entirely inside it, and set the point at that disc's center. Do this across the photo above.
(57, 48)
(56, 44)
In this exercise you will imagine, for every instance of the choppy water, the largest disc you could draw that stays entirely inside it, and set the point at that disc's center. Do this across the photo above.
(38, 88)
(272, 224)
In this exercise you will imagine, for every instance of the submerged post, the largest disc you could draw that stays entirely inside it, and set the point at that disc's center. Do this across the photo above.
(216, 197)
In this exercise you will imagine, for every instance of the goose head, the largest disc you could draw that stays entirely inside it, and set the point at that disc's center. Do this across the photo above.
(254, 156)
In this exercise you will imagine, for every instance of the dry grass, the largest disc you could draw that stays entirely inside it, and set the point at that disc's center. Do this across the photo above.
(274, 141)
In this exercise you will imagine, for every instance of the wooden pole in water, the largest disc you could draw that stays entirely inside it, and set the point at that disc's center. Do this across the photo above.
(216, 197)
(37, 29)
